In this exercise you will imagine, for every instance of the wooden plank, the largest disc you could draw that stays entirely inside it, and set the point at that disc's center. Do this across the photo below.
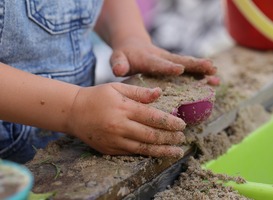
(159, 183)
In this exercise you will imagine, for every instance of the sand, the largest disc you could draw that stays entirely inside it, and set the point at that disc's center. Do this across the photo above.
(175, 90)
(243, 72)
(199, 184)
(186, 96)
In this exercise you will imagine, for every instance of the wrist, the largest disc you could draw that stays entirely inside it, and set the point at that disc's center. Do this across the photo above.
(68, 120)
(120, 41)
(119, 20)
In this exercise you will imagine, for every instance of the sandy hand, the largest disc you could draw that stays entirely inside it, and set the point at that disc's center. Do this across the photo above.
(135, 56)
(114, 119)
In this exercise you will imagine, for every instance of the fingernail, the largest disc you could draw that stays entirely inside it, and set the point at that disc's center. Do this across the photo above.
(178, 152)
(175, 112)
(181, 69)
(215, 68)
(182, 124)
(206, 60)
(119, 69)
(157, 89)
(182, 137)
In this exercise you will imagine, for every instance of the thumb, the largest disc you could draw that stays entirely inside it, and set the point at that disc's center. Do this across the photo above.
(139, 94)
(120, 64)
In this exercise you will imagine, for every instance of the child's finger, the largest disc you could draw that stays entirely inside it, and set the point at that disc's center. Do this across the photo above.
(120, 64)
(142, 133)
(192, 65)
(156, 65)
(153, 117)
(213, 80)
(138, 94)
(152, 150)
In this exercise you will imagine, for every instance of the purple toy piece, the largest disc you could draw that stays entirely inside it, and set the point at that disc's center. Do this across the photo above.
(194, 113)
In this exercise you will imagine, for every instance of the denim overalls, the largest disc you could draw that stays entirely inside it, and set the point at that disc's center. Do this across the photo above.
(50, 38)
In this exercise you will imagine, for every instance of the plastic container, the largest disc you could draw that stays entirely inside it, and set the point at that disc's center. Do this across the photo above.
(252, 160)
(250, 22)
(16, 181)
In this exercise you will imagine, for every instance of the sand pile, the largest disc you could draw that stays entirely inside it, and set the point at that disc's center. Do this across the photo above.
(200, 184)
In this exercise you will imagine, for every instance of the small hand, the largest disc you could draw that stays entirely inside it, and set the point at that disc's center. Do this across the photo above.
(135, 56)
(114, 119)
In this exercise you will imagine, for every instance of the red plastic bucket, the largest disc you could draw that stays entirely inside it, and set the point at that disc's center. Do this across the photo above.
(250, 22)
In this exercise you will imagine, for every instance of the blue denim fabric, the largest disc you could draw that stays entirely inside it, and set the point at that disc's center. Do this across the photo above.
(48, 38)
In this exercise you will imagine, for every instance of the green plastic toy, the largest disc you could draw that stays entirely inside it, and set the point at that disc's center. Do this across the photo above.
(251, 159)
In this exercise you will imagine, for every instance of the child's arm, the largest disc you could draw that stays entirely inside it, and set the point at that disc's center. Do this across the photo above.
(121, 26)
(34, 100)
(111, 118)
(119, 20)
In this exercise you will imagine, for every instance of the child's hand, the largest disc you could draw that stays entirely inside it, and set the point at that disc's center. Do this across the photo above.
(136, 56)
(114, 119)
